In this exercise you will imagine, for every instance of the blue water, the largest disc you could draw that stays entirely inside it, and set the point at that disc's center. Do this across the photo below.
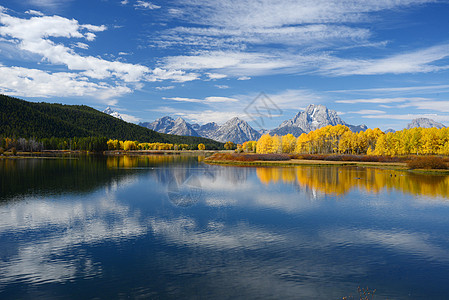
(176, 228)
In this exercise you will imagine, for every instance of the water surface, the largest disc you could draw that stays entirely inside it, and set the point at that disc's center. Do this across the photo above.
(172, 227)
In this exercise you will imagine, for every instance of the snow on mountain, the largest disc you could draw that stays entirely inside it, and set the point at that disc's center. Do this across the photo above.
(312, 118)
(239, 131)
(424, 123)
(113, 113)
(206, 130)
(236, 131)
(181, 127)
(170, 126)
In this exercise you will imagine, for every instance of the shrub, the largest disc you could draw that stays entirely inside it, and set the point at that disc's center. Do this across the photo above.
(427, 162)
(348, 157)
(14, 151)
(2, 150)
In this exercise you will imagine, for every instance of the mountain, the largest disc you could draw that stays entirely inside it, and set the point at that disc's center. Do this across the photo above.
(170, 126)
(239, 131)
(205, 130)
(21, 118)
(236, 131)
(424, 123)
(390, 130)
(312, 118)
(113, 113)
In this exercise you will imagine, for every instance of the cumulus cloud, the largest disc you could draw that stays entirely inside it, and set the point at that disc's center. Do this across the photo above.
(86, 75)
(17, 81)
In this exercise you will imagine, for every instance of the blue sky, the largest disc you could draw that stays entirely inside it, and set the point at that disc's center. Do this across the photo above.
(376, 62)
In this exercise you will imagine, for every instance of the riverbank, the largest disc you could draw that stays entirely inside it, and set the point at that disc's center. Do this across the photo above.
(69, 153)
(304, 162)
(284, 160)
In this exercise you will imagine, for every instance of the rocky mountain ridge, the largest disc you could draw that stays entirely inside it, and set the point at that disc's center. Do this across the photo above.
(113, 113)
(424, 123)
(239, 131)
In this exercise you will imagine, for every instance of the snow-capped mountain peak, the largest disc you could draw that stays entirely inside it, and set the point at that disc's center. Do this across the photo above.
(113, 113)
(425, 123)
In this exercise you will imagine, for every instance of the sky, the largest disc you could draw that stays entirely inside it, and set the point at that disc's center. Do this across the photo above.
(380, 63)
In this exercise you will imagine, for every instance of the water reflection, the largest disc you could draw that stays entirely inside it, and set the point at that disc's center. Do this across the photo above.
(42, 237)
(164, 227)
(141, 161)
(341, 180)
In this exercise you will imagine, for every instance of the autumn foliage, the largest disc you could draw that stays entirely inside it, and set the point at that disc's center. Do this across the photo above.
(340, 139)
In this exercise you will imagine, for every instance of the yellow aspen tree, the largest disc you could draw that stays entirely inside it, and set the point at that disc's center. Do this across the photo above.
(276, 144)
(264, 144)
(288, 143)
(301, 143)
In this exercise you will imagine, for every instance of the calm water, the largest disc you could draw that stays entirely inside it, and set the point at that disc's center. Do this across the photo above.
(167, 227)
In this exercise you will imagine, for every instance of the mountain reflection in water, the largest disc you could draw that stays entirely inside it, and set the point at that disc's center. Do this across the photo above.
(172, 227)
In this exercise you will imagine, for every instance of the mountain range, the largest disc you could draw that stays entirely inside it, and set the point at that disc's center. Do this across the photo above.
(239, 131)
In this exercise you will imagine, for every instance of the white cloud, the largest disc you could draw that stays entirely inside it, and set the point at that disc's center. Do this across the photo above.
(48, 4)
(164, 88)
(234, 63)
(130, 118)
(34, 12)
(280, 13)
(420, 61)
(205, 100)
(146, 5)
(220, 99)
(436, 117)
(222, 86)
(216, 75)
(16, 81)
(81, 45)
(219, 37)
(291, 99)
(207, 116)
(381, 100)
(242, 64)
(244, 78)
(159, 74)
(367, 111)
(34, 36)
(407, 89)
(124, 2)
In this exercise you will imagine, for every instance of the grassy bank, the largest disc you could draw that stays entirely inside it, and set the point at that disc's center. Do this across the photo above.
(426, 164)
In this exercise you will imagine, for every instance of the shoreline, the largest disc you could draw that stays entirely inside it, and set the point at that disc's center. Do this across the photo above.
(305, 162)
(324, 163)
(68, 154)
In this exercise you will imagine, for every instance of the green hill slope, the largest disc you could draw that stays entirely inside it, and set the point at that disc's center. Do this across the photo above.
(19, 118)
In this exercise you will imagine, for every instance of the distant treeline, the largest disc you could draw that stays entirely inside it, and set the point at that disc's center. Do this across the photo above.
(95, 144)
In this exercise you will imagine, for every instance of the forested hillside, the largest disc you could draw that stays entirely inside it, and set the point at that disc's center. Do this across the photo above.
(19, 118)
